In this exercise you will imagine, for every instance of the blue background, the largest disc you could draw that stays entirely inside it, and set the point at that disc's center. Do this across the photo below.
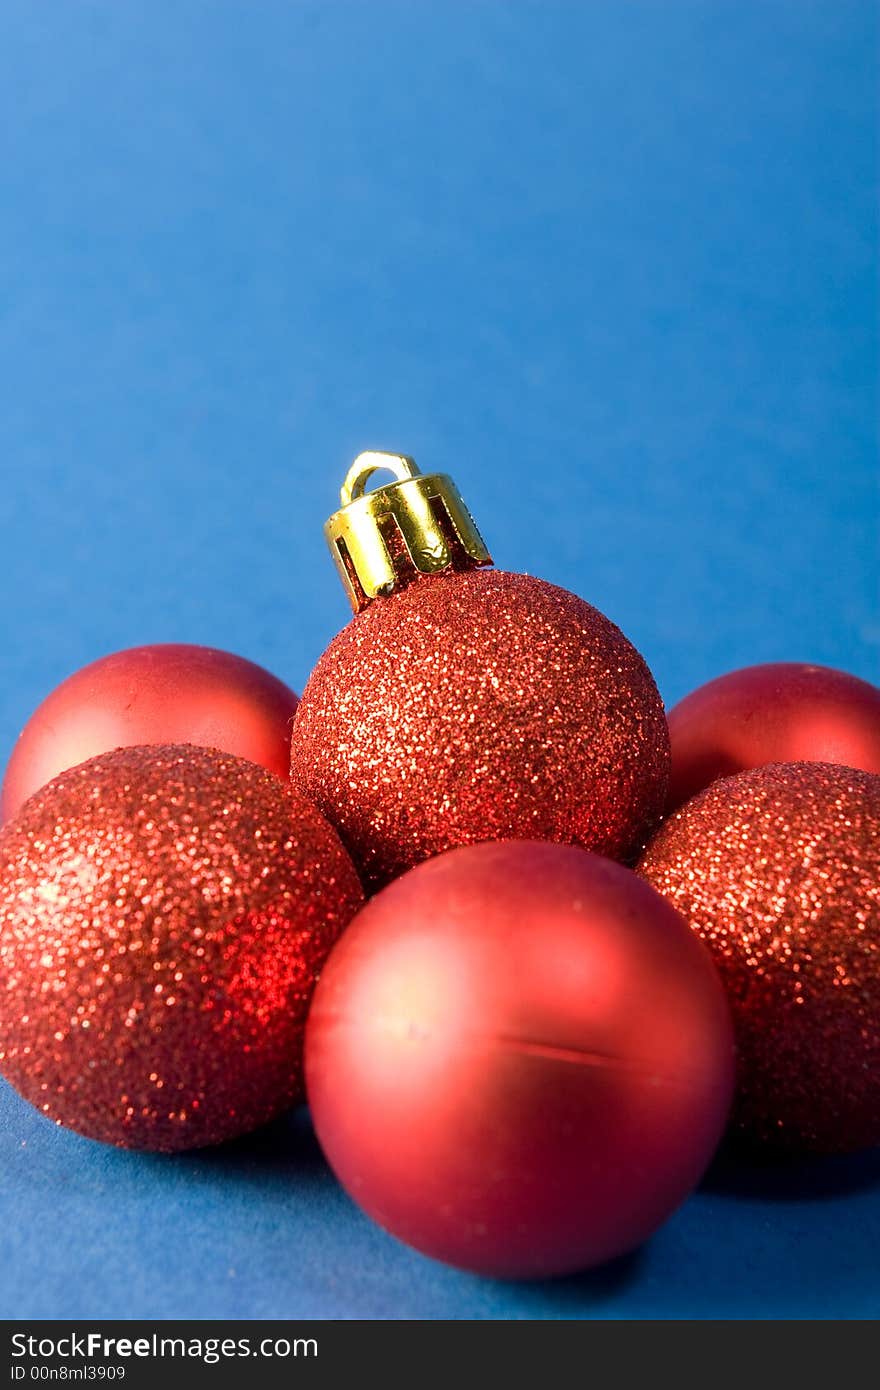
(613, 265)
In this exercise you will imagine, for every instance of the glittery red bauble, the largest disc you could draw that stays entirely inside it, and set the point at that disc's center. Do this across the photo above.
(161, 694)
(480, 706)
(519, 1059)
(163, 916)
(778, 870)
(785, 712)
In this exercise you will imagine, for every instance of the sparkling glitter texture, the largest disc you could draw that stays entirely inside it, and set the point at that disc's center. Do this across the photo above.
(778, 870)
(164, 912)
(480, 706)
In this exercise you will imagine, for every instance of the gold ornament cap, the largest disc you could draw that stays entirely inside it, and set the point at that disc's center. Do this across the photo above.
(418, 524)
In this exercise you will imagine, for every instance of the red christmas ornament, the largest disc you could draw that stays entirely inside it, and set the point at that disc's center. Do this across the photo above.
(468, 704)
(778, 870)
(160, 694)
(163, 916)
(519, 1059)
(784, 712)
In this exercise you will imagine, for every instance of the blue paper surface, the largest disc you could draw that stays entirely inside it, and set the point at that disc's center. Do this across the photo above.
(611, 265)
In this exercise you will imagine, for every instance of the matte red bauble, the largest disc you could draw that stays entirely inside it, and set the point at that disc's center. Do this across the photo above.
(778, 870)
(160, 694)
(784, 712)
(163, 916)
(466, 704)
(519, 1059)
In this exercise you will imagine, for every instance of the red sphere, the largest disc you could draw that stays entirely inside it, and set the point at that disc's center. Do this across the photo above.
(519, 1059)
(784, 712)
(163, 916)
(161, 694)
(778, 870)
(480, 706)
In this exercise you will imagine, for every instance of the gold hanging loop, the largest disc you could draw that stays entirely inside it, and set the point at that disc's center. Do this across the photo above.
(417, 524)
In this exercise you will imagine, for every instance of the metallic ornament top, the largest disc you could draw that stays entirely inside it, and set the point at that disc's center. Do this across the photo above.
(416, 525)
